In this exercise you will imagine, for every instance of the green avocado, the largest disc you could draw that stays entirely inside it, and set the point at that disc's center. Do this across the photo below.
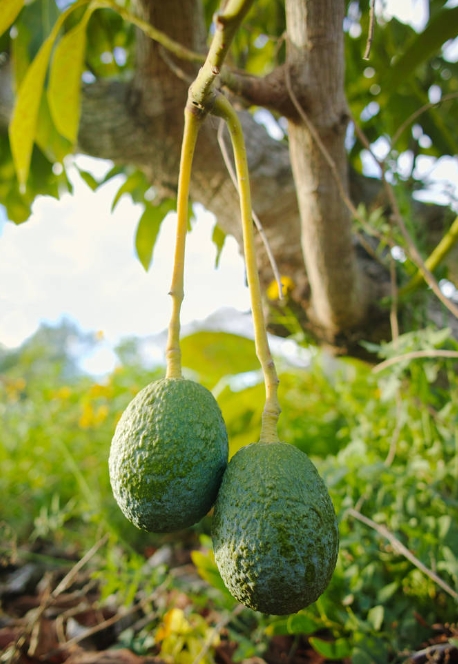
(274, 532)
(168, 455)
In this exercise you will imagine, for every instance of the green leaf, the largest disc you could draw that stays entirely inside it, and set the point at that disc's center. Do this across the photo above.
(50, 142)
(89, 179)
(218, 239)
(22, 130)
(385, 593)
(331, 649)
(148, 230)
(9, 13)
(442, 27)
(375, 617)
(300, 623)
(18, 209)
(135, 184)
(64, 89)
(213, 355)
(20, 57)
(296, 623)
(23, 125)
(113, 172)
(207, 569)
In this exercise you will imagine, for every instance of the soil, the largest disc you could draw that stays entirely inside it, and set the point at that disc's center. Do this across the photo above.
(51, 613)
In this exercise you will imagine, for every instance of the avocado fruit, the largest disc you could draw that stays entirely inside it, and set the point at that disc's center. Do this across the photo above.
(168, 455)
(274, 531)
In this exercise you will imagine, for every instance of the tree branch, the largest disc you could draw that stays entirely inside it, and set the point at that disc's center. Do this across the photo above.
(140, 123)
(436, 257)
(268, 91)
(415, 355)
(404, 551)
(315, 48)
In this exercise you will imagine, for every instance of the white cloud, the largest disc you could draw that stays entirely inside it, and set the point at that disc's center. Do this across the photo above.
(74, 258)
(414, 12)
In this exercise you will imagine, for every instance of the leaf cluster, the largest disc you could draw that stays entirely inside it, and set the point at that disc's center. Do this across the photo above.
(405, 114)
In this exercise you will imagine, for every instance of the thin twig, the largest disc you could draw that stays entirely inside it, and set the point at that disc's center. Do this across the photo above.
(215, 631)
(396, 433)
(48, 600)
(394, 323)
(404, 551)
(332, 165)
(438, 254)
(415, 355)
(68, 578)
(174, 68)
(317, 138)
(414, 253)
(370, 35)
(417, 113)
(410, 247)
(432, 653)
(256, 219)
(153, 33)
(109, 621)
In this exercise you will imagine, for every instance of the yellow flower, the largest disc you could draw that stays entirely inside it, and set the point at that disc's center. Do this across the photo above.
(287, 286)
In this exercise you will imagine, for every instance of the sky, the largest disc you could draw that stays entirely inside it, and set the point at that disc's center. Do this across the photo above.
(76, 259)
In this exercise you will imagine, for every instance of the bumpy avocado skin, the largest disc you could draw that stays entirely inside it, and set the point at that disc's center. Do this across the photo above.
(275, 533)
(168, 455)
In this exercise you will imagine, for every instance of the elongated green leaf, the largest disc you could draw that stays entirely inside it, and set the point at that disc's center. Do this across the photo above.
(148, 230)
(64, 89)
(9, 12)
(135, 184)
(89, 179)
(213, 355)
(375, 617)
(331, 649)
(50, 142)
(297, 623)
(218, 239)
(23, 126)
(442, 27)
(207, 569)
(300, 623)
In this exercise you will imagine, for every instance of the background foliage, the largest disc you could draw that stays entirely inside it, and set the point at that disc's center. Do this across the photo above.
(404, 99)
(386, 444)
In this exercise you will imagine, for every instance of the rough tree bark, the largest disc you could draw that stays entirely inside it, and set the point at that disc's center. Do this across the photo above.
(337, 285)
(329, 287)
(316, 55)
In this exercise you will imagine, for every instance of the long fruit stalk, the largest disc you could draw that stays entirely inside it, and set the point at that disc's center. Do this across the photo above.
(271, 412)
(173, 352)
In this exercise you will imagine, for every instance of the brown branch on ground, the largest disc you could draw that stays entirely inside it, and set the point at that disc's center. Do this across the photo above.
(399, 547)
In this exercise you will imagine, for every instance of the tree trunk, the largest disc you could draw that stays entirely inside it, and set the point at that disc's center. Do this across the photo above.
(316, 56)
(335, 294)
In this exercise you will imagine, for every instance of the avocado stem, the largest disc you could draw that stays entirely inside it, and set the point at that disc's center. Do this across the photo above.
(192, 124)
(269, 433)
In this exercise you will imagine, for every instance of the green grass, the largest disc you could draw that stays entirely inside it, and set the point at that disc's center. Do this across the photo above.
(386, 445)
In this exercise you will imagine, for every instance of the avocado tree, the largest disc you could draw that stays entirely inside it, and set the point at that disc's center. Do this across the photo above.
(341, 86)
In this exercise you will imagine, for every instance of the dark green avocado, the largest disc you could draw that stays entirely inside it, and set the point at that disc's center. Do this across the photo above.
(168, 455)
(275, 533)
